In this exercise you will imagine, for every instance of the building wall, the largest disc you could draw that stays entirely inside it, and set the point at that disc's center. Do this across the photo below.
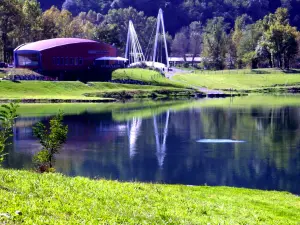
(74, 56)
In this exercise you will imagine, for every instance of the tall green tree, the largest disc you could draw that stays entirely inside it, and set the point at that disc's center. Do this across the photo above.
(120, 18)
(31, 26)
(236, 36)
(246, 51)
(195, 39)
(215, 43)
(10, 19)
(279, 38)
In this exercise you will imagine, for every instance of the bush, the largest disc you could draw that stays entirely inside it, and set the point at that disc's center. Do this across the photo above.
(8, 114)
(51, 140)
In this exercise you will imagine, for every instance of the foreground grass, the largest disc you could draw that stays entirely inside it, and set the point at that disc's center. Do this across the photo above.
(241, 79)
(148, 76)
(31, 198)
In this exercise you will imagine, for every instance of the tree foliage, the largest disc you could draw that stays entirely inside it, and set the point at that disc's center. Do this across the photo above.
(215, 43)
(8, 114)
(52, 140)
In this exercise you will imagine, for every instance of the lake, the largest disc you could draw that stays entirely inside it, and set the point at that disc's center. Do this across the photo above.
(251, 142)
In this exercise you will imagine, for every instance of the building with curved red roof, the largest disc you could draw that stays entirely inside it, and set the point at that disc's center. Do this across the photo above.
(61, 55)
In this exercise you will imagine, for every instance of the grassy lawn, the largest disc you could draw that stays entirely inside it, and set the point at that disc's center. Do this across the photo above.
(240, 79)
(145, 75)
(43, 90)
(64, 89)
(30, 198)
(92, 90)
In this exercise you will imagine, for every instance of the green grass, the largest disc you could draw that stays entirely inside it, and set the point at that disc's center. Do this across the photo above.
(30, 198)
(64, 89)
(43, 90)
(240, 79)
(145, 75)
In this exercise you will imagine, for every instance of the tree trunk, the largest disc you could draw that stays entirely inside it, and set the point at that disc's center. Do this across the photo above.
(254, 63)
(4, 42)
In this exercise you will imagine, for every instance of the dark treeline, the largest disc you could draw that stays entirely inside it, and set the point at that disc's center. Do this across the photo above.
(227, 33)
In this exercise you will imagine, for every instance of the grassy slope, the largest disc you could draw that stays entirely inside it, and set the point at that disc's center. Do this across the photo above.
(55, 199)
(240, 79)
(61, 90)
(145, 75)
(76, 90)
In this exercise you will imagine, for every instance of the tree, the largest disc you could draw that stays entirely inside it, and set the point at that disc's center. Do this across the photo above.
(31, 26)
(215, 43)
(50, 29)
(195, 39)
(235, 38)
(8, 114)
(279, 38)
(10, 18)
(109, 34)
(246, 51)
(180, 44)
(120, 18)
(52, 140)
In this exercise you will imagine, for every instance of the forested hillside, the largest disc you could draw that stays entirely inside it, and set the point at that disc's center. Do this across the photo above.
(226, 33)
(180, 13)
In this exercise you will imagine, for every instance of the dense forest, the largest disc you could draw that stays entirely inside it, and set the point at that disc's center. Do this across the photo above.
(226, 33)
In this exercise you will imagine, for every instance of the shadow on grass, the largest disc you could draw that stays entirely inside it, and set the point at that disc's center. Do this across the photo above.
(257, 71)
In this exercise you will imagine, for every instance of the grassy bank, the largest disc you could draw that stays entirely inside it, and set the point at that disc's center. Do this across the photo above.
(67, 90)
(30, 198)
(242, 80)
(148, 76)
(71, 90)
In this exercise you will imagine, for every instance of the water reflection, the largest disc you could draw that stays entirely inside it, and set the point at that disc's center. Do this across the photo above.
(164, 148)
(134, 129)
(161, 146)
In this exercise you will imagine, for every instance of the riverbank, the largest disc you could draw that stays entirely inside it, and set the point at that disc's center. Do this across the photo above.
(75, 91)
(243, 81)
(144, 84)
(150, 84)
(31, 198)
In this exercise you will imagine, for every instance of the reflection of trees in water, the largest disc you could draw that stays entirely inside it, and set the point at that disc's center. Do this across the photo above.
(167, 150)
(267, 160)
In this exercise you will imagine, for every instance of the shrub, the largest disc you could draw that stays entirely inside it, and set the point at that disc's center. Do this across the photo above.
(52, 140)
(8, 114)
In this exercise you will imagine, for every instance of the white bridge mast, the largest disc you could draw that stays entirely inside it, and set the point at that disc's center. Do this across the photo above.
(134, 50)
(160, 23)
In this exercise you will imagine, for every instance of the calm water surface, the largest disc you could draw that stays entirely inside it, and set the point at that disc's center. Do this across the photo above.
(161, 144)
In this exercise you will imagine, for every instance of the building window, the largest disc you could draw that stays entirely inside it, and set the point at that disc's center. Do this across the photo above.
(80, 61)
(53, 60)
(28, 59)
(66, 61)
(62, 61)
(71, 61)
(76, 61)
(57, 61)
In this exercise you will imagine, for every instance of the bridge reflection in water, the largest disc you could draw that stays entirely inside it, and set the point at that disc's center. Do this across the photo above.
(163, 147)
